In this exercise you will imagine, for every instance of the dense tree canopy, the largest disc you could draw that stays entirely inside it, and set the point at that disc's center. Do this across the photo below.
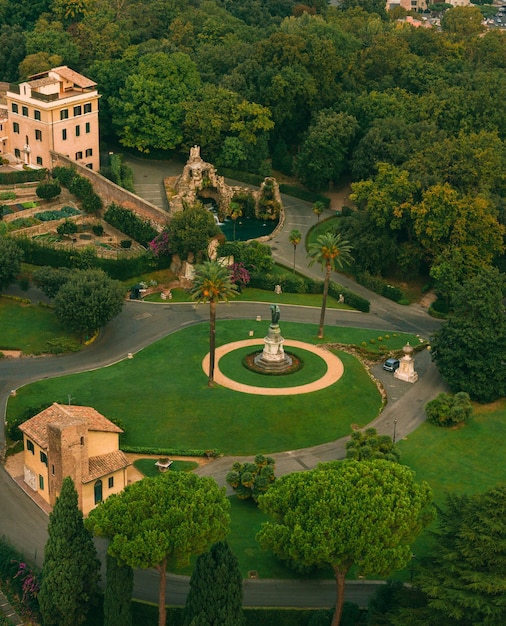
(88, 301)
(464, 576)
(175, 515)
(324, 92)
(10, 261)
(190, 231)
(343, 514)
(148, 112)
(470, 348)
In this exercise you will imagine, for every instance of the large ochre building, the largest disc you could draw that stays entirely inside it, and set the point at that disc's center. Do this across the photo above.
(56, 110)
(75, 441)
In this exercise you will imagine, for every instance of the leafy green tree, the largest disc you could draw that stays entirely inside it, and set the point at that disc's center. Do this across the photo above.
(367, 445)
(12, 50)
(215, 596)
(464, 575)
(470, 348)
(322, 158)
(294, 238)
(332, 253)
(343, 514)
(10, 261)
(445, 223)
(175, 515)
(190, 230)
(118, 593)
(251, 480)
(388, 197)
(447, 410)
(149, 112)
(70, 572)
(52, 38)
(370, 6)
(71, 10)
(215, 114)
(88, 301)
(212, 283)
(50, 279)
(38, 62)
(462, 22)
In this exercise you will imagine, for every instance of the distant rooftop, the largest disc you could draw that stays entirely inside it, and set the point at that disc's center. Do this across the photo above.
(63, 72)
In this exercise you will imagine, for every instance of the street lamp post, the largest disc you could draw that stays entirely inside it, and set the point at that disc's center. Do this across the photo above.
(395, 428)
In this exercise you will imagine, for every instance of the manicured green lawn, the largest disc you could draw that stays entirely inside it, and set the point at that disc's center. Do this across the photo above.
(28, 327)
(467, 459)
(319, 229)
(250, 294)
(148, 467)
(162, 397)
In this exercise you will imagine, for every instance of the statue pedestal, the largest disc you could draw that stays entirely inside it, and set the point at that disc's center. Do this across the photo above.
(273, 357)
(406, 369)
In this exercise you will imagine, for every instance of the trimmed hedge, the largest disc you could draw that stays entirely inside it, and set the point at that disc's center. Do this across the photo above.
(38, 253)
(292, 284)
(22, 176)
(350, 297)
(243, 177)
(304, 194)
(147, 614)
(381, 287)
(170, 451)
(127, 222)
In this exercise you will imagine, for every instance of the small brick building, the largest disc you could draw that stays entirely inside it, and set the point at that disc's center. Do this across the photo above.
(75, 441)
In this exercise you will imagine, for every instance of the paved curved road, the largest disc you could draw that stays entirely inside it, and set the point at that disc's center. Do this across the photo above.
(140, 324)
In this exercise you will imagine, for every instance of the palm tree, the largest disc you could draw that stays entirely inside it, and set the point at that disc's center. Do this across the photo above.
(212, 283)
(332, 253)
(294, 238)
(318, 208)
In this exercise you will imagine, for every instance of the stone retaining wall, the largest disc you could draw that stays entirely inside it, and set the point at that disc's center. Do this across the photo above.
(110, 192)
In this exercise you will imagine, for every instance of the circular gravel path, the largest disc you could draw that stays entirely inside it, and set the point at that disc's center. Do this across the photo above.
(335, 369)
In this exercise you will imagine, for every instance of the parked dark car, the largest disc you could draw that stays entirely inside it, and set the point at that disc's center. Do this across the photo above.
(390, 365)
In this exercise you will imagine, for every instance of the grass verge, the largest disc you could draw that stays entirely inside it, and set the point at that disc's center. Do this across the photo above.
(29, 327)
(162, 397)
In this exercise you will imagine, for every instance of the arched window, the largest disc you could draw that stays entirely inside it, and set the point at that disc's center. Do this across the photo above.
(98, 491)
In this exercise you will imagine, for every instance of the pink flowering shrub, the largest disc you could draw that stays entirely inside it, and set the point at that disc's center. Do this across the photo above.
(239, 274)
(159, 246)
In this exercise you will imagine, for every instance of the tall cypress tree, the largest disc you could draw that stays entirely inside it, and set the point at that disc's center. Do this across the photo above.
(70, 572)
(215, 596)
(118, 593)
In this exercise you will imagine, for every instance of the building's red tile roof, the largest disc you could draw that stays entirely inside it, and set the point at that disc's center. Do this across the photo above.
(104, 464)
(41, 82)
(36, 428)
(73, 77)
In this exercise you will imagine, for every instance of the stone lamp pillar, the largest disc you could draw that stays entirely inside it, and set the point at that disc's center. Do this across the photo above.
(406, 369)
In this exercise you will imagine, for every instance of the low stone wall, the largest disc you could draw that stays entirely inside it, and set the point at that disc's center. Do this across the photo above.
(110, 192)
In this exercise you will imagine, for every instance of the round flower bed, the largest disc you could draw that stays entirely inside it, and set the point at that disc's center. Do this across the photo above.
(249, 363)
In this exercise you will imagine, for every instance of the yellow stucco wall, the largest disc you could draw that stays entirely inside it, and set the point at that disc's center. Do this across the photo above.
(102, 443)
(35, 468)
(119, 480)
